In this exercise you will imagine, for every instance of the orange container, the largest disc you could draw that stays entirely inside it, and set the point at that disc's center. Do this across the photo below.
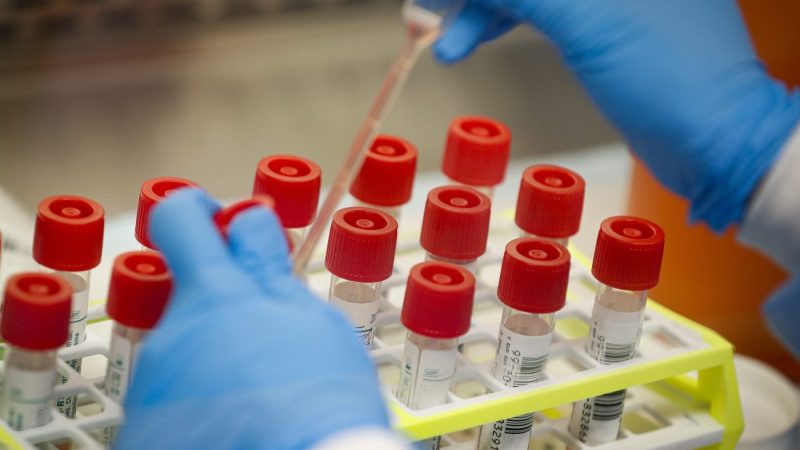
(711, 278)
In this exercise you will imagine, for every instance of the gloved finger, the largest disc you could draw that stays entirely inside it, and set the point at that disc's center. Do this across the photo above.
(464, 34)
(258, 244)
(500, 27)
(183, 230)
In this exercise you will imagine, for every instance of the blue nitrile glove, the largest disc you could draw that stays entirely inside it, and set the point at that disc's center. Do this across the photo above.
(245, 356)
(679, 78)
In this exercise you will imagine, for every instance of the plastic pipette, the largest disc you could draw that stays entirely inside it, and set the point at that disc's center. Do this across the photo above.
(424, 19)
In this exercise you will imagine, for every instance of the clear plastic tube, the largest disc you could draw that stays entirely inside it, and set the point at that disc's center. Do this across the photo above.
(394, 211)
(485, 190)
(296, 236)
(429, 365)
(522, 348)
(123, 349)
(80, 282)
(469, 264)
(28, 381)
(562, 241)
(360, 302)
(614, 336)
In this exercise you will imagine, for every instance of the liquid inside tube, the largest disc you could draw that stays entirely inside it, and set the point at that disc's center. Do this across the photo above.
(429, 366)
(522, 349)
(360, 303)
(28, 381)
(614, 336)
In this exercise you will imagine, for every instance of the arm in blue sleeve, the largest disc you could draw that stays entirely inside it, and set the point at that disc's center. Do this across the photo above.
(772, 225)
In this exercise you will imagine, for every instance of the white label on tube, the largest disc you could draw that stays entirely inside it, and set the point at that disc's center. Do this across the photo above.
(520, 361)
(426, 376)
(26, 397)
(362, 316)
(77, 334)
(77, 318)
(614, 335)
(596, 420)
(122, 354)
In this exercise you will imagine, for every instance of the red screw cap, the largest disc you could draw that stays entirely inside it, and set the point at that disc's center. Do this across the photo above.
(36, 310)
(387, 176)
(628, 253)
(438, 301)
(361, 245)
(477, 151)
(139, 289)
(456, 223)
(550, 202)
(152, 192)
(294, 184)
(69, 233)
(534, 276)
(225, 216)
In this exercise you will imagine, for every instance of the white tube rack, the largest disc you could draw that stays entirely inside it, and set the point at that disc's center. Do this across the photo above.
(682, 391)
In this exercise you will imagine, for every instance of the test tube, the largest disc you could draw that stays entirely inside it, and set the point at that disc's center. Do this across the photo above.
(477, 152)
(627, 262)
(34, 324)
(151, 193)
(386, 179)
(550, 203)
(68, 240)
(294, 184)
(360, 256)
(455, 225)
(137, 294)
(436, 311)
(532, 287)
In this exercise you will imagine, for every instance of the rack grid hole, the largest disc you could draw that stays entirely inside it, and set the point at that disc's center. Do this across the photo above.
(469, 388)
(643, 421)
(572, 327)
(551, 441)
(479, 351)
(393, 334)
(388, 373)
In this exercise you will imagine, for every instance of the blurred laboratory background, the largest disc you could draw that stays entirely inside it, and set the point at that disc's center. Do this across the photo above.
(98, 95)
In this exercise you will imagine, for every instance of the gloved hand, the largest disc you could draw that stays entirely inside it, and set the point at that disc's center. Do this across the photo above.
(245, 356)
(679, 78)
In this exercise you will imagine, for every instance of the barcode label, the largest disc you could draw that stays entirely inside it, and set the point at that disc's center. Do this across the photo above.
(614, 335)
(520, 361)
(609, 406)
(597, 420)
(530, 370)
(520, 424)
(614, 353)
